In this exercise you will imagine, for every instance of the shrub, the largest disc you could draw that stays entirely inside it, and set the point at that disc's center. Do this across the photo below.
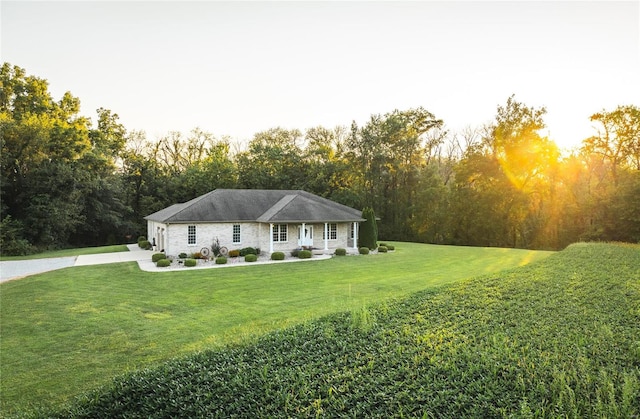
(391, 247)
(234, 253)
(163, 263)
(221, 260)
(196, 255)
(190, 262)
(363, 250)
(368, 229)
(247, 251)
(157, 256)
(250, 258)
(304, 254)
(12, 242)
(277, 256)
(144, 244)
(295, 253)
(182, 255)
(215, 247)
(382, 249)
(382, 244)
(341, 252)
(141, 238)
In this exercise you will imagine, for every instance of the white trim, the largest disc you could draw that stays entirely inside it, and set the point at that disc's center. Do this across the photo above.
(271, 238)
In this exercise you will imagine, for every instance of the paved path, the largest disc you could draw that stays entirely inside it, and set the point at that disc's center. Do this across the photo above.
(20, 268)
(15, 269)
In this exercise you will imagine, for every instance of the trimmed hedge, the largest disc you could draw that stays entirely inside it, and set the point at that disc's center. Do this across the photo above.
(163, 263)
(190, 262)
(382, 249)
(277, 256)
(144, 244)
(341, 252)
(248, 251)
(305, 254)
(250, 258)
(391, 247)
(221, 260)
(182, 255)
(363, 250)
(158, 256)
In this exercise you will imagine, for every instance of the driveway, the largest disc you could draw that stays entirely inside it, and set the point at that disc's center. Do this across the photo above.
(15, 269)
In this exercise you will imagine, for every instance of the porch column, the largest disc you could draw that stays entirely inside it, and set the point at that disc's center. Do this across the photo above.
(303, 236)
(326, 236)
(355, 236)
(271, 238)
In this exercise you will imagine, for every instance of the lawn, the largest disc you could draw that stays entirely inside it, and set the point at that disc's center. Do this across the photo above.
(559, 339)
(68, 331)
(70, 252)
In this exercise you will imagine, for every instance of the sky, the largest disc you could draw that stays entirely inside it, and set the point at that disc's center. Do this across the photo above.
(237, 68)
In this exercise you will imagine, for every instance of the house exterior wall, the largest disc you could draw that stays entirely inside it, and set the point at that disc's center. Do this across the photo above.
(176, 236)
(173, 238)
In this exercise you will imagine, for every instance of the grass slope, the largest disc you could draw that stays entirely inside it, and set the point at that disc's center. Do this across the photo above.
(559, 338)
(67, 331)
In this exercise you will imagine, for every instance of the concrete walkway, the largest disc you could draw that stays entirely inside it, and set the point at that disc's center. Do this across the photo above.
(135, 254)
(16, 269)
(21, 268)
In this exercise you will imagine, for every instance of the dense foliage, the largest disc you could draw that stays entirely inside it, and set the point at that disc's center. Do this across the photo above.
(558, 338)
(368, 234)
(68, 180)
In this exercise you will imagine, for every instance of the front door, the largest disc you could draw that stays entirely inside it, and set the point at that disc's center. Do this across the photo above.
(305, 235)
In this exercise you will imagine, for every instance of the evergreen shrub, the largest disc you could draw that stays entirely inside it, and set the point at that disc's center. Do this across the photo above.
(391, 247)
(304, 254)
(157, 256)
(277, 256)
(295, 253)
(247, 251)
(382, 249)
(363, 250)
(144, 244)
(182, 255)
(190, 262)
(221, 260)
(250, 258)
(341, 252)
(163, 263)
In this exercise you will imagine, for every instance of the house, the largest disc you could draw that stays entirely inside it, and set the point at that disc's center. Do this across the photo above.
(271, 220)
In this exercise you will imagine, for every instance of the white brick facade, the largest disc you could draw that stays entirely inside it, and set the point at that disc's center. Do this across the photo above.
(174, 238)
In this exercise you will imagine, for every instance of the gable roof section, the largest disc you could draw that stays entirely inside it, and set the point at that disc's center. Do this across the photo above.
(261, 205)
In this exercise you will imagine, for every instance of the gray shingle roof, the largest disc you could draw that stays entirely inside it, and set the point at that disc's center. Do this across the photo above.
(261, 205)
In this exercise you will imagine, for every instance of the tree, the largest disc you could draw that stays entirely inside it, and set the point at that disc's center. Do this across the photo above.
(388, 153)
(273, 161)
(368, 229)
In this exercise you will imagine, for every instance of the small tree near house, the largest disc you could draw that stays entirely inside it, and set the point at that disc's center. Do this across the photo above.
(369, 229)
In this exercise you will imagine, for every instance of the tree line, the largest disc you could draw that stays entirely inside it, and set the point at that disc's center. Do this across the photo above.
(69, 181)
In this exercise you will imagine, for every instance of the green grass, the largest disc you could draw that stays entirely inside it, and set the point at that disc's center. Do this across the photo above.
(70, 252)
(558, 338)
(67, 331)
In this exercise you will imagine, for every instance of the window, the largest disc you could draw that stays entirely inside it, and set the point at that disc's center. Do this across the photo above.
(280, 233)
(191, 235)
(236, 233)
(333, 232)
